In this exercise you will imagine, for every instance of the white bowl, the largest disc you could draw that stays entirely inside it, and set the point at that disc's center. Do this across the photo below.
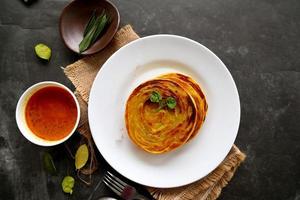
(20, 114)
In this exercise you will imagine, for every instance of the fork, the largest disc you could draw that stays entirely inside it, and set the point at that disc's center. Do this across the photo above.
(121, 188)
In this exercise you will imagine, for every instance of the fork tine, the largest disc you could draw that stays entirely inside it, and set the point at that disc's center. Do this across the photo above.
(112, 188)
(117, 179)
(113, 181)
(113, 184)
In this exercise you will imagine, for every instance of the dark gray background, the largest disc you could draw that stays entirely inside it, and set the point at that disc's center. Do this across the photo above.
(258, 40)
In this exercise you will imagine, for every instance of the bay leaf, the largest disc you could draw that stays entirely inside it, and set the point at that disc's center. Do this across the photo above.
(49, 163)
(81, 156)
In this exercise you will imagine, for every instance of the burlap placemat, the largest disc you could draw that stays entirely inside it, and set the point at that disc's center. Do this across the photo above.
(82, 74)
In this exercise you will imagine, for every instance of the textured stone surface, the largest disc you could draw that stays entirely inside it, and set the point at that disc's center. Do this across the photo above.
(258, 40)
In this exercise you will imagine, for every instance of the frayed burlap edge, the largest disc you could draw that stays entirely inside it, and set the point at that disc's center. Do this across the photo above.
(207, 188)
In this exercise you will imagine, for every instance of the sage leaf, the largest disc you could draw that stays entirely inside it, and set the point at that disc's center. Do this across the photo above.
(67, 184)
(81, 156)
(49, 164)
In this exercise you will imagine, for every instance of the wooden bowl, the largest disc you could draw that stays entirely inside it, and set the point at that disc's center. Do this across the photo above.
(74, 18)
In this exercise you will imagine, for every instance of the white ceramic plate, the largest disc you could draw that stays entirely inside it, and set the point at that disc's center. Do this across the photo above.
(140, 61)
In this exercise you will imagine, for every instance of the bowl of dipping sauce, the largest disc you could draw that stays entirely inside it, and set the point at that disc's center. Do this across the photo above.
(47, 113)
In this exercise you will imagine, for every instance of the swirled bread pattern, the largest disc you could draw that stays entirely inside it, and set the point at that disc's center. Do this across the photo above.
(159, 130)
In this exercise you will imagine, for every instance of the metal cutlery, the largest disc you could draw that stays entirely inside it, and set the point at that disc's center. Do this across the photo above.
(121, 188)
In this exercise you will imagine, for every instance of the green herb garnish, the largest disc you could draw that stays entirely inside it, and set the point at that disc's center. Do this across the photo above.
(67, 184)
(42, 51)
(170, 102)
(155, 97)
(49, 164)
(93, 30)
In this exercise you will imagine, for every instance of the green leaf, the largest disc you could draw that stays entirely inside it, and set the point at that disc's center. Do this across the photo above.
(81, 156)
(155, 97)
(43, 51)
(171, 102)
(90, 23)
(67, 184)
(86, 41)
(102, 23)
(93, 30)
(49, 164)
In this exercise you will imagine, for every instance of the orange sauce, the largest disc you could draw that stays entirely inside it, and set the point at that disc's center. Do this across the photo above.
(51, 113)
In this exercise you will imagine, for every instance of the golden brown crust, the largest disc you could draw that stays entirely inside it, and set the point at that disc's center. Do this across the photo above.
(162, 130)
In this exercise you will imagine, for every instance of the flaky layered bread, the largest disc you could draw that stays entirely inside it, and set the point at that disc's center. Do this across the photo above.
(159, 130)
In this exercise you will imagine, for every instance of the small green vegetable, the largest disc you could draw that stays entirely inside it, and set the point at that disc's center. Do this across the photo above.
(155, 97)
(49, 164)
(67, 184)
(81, 156)
(43, 51)
(171, 102)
